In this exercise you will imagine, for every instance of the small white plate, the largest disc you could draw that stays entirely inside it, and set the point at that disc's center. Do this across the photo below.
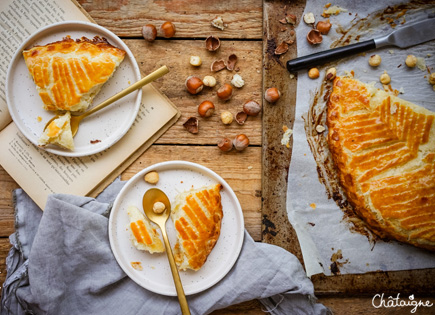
(175, 177)
(108, 125)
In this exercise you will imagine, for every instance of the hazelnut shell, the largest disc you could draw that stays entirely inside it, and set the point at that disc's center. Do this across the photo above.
(192, 125)
(314, 37)
(231, 63)
(324, 27)
(241, 117)
(212, 43)
(281, 48)
(218, 65)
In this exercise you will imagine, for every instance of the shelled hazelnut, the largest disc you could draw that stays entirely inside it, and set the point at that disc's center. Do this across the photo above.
(159, 207)
(411, 61)
(432, 78)
(209, 81)
(227, 117)
(149, 32)
(152, 177)
(225, 92)
(331, 74)
(167, 29)
(195, 61)
(375, 60)
(272, 95)
(313, 73)
(251, 108)
(206, 109)
(194, 85)
(385, 78)
(237, 81)
(309, 18)
(241, 142)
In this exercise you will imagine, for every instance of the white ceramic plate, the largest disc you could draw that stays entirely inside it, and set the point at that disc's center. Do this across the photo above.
(175, 177)
(108, 125)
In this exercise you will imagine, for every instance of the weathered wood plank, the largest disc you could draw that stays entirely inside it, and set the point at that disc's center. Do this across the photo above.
(4, 250)
(241, 170)
(7, 184)
(176, 54)
(192, 19)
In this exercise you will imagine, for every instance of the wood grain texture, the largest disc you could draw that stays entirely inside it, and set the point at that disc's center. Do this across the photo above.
(176, 54)
(4, 250)
(7, 185)
(192, 19)
(276, 157)
(247, 187)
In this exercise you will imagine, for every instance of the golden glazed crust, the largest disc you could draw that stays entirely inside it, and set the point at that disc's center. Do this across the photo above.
(69, 73)
(197, 217)
(384, 150)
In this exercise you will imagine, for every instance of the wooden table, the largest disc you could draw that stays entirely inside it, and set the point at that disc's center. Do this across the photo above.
(258, 175)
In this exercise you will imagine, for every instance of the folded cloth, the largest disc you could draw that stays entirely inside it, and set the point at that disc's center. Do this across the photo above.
(61, 263)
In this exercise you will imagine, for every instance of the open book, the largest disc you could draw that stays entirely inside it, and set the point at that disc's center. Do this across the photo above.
(41, 173)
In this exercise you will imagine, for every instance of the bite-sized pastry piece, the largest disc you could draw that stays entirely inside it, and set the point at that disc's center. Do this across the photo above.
(69, 73)
(384, 151)
(58, 132)
(142, 233)
(197, 216)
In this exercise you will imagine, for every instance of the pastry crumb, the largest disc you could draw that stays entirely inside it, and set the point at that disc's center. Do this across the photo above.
(137, 265)
(286, 136)
(39, 118)
(313, 205)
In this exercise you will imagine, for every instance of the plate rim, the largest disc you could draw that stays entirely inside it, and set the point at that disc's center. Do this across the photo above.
(92, 27)
(195, 167)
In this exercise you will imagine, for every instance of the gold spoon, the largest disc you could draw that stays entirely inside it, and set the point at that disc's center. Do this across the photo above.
(150, 197)
(75, 120)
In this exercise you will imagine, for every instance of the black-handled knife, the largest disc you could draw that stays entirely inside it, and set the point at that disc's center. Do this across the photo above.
(404, 37)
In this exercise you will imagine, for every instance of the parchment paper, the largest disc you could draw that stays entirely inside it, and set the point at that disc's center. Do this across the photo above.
(326, 235)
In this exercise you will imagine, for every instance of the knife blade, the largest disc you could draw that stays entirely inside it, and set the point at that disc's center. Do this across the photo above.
(404, 37)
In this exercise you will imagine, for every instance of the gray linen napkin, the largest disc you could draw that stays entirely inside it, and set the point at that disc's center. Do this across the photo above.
(61, 263)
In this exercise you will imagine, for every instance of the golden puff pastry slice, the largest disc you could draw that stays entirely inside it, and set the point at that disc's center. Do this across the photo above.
(384, 151)
(142, 233)
(197, 216)
(58, 132)
(69, 73)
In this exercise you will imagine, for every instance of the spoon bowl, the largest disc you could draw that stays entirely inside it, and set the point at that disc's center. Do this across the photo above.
(75, 120)
(150, 197)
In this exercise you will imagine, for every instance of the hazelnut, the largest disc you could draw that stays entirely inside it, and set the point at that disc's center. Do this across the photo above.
(231, 62)
(309, 18)
(212, 43)
(281, 48)
(331, 73)
(241, 117)
(385, 78)
(206, 109)
(149, 32)
(151, 177)
(192, 125)
(194, 85)
(314, 37)
(324, 27)
(272, 95)
(411, 61)
(225, 144)
(195, 61)
(313, 73)
(218, 23)
(251, 108)
(241, 142)
(159, 207)
(225, 92)
(432, 78)
(209, 81)
(167, 29)
(237, 81)
(226, 117)
(375, 60)
(218, 65)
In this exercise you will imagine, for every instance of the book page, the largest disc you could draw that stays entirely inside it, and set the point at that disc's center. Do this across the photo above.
(18, 20)
(41, 173)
